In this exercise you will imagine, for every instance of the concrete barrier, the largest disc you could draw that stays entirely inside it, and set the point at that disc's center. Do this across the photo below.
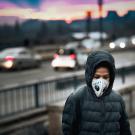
(55, 118)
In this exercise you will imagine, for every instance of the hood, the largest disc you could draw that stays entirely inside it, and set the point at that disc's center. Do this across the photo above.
(93, 60)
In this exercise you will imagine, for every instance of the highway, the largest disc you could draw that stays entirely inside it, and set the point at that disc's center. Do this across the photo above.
(28, 75)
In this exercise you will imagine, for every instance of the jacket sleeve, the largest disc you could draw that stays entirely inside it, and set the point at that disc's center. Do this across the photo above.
(69, 117)
(124, 122)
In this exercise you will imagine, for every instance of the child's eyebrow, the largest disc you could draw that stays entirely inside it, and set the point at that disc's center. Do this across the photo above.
(100, 74)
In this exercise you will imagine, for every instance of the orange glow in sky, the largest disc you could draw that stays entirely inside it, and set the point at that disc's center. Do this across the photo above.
(62, 10)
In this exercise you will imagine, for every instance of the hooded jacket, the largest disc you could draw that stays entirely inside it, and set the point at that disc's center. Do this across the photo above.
(86, 114)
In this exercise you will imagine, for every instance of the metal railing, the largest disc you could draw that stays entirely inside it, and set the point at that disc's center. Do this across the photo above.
(128, 94)
(39, 94)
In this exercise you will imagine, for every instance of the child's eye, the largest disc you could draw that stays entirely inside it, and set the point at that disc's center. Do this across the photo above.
(106, 77)
(96, 77)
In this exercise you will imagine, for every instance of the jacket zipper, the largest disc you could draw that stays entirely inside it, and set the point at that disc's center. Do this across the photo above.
(103, 117)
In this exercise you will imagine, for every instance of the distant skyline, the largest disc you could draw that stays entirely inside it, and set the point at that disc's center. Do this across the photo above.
(60, 9)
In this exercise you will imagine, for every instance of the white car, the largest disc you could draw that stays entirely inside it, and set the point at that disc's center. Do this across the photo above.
(132, 40)
(18, 58)
(96, 35)
(64, 58)
(69, 58)
(119, 43)
(82, 57)
(72, 45)
(91, 44)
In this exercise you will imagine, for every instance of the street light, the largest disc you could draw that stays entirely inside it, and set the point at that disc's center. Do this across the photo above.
(100, 8)
(88, 23)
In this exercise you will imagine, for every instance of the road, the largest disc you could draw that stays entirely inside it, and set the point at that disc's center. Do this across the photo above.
(24, 76)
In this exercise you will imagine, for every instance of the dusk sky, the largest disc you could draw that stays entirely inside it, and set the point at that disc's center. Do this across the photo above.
(60, 9)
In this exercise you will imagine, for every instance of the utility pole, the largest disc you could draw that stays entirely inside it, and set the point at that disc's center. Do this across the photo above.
(88, 23)
(100, 8)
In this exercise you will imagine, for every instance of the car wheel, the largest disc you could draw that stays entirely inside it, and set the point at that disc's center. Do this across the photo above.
(19, 68)
(56, 68)
(76, 66)
(38, 64)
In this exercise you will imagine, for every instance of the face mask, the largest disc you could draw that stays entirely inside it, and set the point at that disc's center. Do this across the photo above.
(99, 85)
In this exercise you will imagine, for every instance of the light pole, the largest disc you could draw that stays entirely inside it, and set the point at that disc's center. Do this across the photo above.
(88, 23)
(100, 8)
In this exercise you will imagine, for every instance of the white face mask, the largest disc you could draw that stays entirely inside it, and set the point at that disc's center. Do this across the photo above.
(99, 85)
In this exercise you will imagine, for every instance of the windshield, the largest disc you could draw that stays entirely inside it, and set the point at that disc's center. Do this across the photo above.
(65, 51)
(8, 52)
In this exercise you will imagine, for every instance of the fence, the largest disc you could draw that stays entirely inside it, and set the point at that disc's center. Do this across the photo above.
(36, 95)
(40, 94)
(128, 93)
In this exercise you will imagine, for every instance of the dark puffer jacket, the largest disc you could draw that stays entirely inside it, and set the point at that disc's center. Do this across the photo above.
(85, 114)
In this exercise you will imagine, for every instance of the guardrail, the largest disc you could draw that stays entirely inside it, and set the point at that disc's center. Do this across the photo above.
(128, 94)
(38, 94)
(34, 95)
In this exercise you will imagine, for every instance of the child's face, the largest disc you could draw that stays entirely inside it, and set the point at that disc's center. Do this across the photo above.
(102, 72)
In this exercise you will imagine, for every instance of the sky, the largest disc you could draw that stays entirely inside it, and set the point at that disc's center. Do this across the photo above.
(61, 9)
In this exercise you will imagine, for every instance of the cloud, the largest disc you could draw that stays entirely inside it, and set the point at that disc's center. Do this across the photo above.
(5, 4)
(44, 3)
(60, 9)
(24, 3)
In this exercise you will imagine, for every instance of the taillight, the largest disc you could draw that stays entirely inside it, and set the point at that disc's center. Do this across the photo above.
(72, 56)
(9, 58)
(56, 56)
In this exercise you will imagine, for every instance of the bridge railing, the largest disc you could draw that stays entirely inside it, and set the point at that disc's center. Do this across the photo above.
(128, 94)
(35, 95)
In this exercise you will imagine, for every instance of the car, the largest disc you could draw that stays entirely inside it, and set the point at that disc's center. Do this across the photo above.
(64, 58)
(72, 45)
(96, 35)
(119, 43)
(91, 44)
(132, 40)
(18, 58)
(82, 57)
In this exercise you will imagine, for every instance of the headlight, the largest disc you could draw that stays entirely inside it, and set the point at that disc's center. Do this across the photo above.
(133, 41)
(8, 64)
(122, 45)
(112, 45)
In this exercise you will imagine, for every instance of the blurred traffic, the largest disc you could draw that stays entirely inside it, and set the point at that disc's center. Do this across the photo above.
(122, 42)
(18, 58)
(69, 58)
(72, 54)
(64, 58)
